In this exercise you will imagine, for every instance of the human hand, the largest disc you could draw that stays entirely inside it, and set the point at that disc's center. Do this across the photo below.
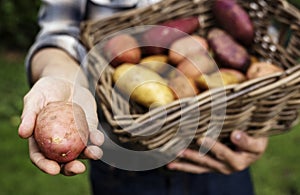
(223, 159)
(49, 89)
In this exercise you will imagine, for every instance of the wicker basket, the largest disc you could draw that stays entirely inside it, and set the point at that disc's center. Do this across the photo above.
(262, 107)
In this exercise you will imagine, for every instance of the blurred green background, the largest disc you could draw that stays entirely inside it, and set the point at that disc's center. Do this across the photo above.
(277, 173)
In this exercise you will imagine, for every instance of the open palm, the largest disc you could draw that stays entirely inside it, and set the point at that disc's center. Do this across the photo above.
(50, 89)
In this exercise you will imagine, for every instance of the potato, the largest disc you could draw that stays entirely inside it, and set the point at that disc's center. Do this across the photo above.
(260, 69)
(237, 74)
(217, 79)
(253, 59)
(121, 49)
(183, 87)
(196, 64)
(227, 52)
(142, 85)
(171, 74)
(185, 46)
(61, 131)
(158, 38)
(157, 63)
(234, 20)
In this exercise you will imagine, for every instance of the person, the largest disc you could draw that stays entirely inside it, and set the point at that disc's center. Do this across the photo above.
(54, 74)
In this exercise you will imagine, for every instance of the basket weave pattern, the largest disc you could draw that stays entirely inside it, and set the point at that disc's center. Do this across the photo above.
(262, 107)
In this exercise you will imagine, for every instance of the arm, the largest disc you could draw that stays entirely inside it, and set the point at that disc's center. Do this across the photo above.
(53, 70)
(57, 78)
(57, 63)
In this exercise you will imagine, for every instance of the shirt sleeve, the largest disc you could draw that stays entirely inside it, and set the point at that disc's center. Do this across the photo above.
(59, 22)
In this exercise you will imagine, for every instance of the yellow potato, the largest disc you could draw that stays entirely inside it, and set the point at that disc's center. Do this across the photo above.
(142, 85)
(217, 79)
(261, 69)
(157, 63)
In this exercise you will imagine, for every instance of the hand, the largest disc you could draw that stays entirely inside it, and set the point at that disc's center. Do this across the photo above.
(223, 159)
(49, 89)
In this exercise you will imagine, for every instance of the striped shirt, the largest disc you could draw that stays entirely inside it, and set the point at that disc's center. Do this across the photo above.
(59, 22)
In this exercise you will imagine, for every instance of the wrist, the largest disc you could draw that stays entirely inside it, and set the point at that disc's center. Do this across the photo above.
(54, 62)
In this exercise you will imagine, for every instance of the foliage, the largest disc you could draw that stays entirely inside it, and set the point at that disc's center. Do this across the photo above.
(18, 25)
(276, 173)
(18, 174)
(295, 2)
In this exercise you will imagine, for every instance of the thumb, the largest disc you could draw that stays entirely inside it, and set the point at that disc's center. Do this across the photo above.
(31, 108)
(247, 143)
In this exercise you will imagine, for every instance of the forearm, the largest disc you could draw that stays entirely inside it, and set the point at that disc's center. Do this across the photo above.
(57, 63)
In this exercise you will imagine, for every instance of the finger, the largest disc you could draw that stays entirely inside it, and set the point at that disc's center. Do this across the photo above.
(83, 97)
(247, 143)
(221, 151)
(206, 161)
(235, 161)
(188, 167)
(27, 125)
(92, 152)
(86, 100)
(96, 137)
(73, 168)
(48, 166)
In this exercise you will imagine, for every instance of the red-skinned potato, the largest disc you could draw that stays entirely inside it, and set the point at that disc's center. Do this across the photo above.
(196, 64)
(121, 49)
(157, 40)
(260, 69)
(227, 52)
(61, 131)
(234, 20)
(186, 45)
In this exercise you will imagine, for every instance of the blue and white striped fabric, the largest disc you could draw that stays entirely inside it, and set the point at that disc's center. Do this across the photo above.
(59, 21)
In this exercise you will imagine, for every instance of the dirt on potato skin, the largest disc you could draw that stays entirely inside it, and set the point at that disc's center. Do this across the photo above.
(61, 131)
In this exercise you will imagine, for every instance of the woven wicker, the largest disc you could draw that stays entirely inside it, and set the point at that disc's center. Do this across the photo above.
(262, 107)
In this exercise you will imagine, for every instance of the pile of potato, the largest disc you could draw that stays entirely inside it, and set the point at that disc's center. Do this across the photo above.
(171, 61)
(167, 62)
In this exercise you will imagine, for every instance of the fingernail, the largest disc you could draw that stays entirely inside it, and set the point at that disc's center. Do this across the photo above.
(238, 136)
(171, 166)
